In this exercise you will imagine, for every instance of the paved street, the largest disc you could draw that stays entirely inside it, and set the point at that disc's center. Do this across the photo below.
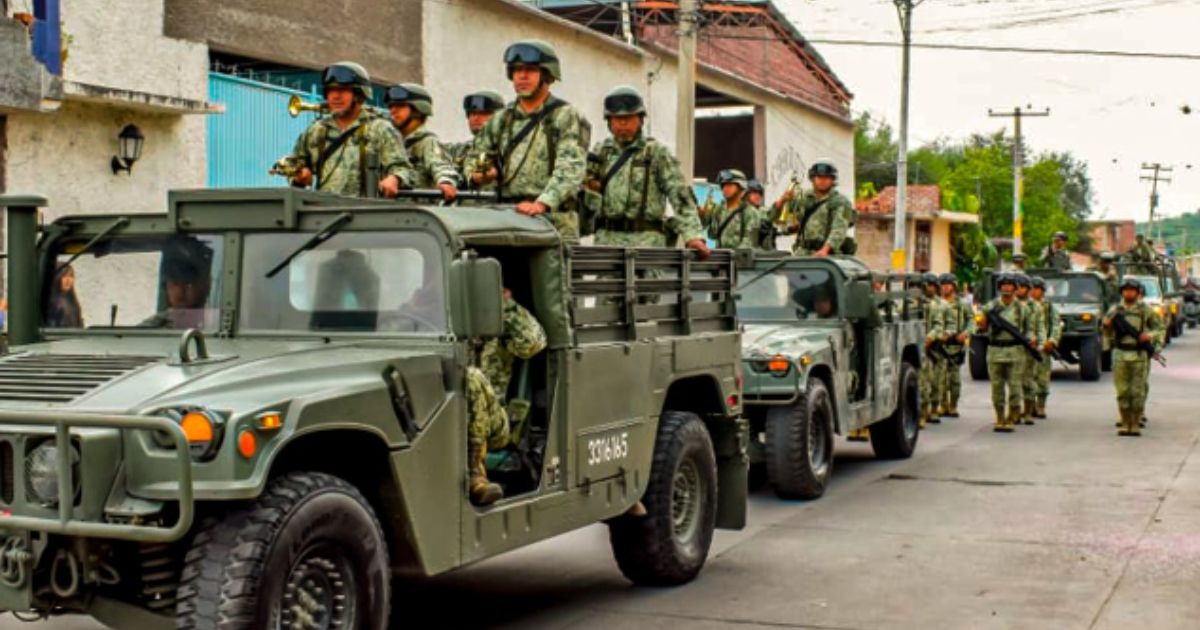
(1063, 525)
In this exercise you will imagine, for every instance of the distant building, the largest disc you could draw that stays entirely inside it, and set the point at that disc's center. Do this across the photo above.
(1117, 236)
(927, 225)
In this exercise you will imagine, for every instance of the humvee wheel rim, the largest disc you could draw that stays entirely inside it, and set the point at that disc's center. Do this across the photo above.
(685, 501)
(319, 592)
(818, 446)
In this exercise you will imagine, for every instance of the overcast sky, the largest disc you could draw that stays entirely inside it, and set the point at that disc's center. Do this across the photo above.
(1113, 113)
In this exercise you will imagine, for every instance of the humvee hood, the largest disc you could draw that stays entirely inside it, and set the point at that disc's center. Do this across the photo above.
(787, 339)
(147, 375)
(1077, 309)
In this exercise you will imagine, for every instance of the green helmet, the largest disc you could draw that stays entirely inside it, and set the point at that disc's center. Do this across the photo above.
(1039, 283)
(1131, 283)
(1062, 236)
(948, 278)
(1018, 257)
(731, 176)
(1021, 279)
(533, 52)
(929, 278)
(185, 258)
(755, 186)
(823, 168)
(1108, 256)
(348, 74)
(413, 95)
(483, 101)
(624, 100)
(1006, 278)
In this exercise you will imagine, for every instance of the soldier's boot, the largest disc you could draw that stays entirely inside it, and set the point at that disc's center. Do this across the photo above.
(1123, 425)
(1039, 408)
(922, 417)
(483, 492)
(931, 414)
(952, 409)
(1025, 413)
(1001, 425)
(1014, 416)
(1135, 422)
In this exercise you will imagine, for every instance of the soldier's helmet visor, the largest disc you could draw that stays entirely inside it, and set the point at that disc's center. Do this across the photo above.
(401, 94)
(340, 75)
(526, 54)
(479, 103)
(822, 170)
(622, 103)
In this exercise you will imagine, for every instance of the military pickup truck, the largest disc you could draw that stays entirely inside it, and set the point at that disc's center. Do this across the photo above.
(1082, 300)
(824, 354)
(252, 409)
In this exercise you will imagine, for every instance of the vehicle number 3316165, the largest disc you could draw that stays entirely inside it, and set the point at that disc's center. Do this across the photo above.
(608, 448)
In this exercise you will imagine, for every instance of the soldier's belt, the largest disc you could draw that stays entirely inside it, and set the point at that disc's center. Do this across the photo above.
(625, 224)
(1128, 346)
(1003, 344)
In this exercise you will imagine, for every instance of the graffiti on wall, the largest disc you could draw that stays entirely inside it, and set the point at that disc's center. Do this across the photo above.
(787, 164)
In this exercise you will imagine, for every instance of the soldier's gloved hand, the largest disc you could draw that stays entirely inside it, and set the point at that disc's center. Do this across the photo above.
(485, 178)
(303, 178)
(698, 244)
(531, 208)
(1049, 347)
(823, 252)
(962, 338)
(449, 192)
(1144, 338)
(928, 342)
(389, 186)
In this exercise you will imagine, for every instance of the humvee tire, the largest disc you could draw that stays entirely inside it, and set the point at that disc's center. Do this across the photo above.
(249, 565)
(979, 369)
(1106, 361)
(896, 437)
(668, 546)
(1090, 357)
(799, 444)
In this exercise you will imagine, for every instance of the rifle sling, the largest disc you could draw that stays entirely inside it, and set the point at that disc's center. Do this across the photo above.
(332, 148)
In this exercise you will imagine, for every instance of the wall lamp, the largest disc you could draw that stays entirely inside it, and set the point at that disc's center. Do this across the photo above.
(129, 145)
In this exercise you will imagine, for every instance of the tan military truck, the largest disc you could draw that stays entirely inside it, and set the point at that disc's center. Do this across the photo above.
(251, 409)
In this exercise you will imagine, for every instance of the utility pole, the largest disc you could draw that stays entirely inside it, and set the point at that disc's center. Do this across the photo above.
(685, 129)
(1018, 164)
(904, 9)
(1153, 173)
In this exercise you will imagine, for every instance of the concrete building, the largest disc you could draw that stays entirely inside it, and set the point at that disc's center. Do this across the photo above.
(929, 229)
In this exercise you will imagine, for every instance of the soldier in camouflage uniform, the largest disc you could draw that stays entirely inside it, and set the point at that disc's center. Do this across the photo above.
(1018, 262)
(635, 177)
(411, 105)
(755, 194)
(1035, 332)
(821, 218)
(1056, 255)
(1005, 356)
(348, 150)
(735, 224)
(1142, 251)
(957, 325)
(487, 385)
(539, 142)
(478, 107)
(1107, 268)
(1052, 327)
(1131, 368)
(931, 367)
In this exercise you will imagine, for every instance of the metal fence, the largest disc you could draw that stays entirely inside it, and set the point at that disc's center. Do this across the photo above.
(254, 131)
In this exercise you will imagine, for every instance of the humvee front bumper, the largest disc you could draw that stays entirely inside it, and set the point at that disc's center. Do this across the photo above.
(21, 431)
(763, 387)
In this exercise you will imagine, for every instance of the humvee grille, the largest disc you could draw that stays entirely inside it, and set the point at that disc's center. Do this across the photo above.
(61, 378)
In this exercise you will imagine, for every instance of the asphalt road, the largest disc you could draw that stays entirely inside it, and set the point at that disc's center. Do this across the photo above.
(1062, 525)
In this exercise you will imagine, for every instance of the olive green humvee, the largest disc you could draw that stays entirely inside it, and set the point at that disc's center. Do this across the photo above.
(827, 348)
(251, 410)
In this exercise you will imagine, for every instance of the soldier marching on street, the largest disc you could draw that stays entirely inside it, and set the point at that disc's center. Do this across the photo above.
(411, 105)
(539, 142)
(956, 326)
(931, 367)
(1035, 332)
(821, 218)
(1135, 332)
(635, 178)
(1052, 327)
(1005, 356)
(351, 151)
(735, 224)
(478, 107)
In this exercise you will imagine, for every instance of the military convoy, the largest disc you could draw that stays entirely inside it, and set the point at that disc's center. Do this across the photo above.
(825, 354)
(262, 415)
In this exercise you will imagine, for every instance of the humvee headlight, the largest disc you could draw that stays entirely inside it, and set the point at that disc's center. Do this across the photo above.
(1159, 309)
(779, 365)
(979, 317)
(202, 428)
(1174, 309)
(41, 473)
(1087, 317)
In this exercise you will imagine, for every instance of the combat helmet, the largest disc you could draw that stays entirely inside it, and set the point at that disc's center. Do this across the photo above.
(1021, 280)
(185, 258)
(1131, 283)
(754, 185)
(1108, 256)
(732, 176)
(1060, 235)
(823, 167)
(948, 278)
(1006, 278)
(533, 52)
(624, 100)
(413, 95)
(929, 278)
(1038, 283)
(348, 74)
(483, 101)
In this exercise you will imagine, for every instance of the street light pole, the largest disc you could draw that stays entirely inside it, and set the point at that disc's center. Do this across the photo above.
(904, 8)
(689, 19)
(1018, 156)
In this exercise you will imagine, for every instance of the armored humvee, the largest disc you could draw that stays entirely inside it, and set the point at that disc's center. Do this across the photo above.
(251, 410)
(824, 353)
(1082, 299)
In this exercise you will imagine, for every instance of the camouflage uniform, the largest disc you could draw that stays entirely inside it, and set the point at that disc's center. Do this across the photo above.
(1057, 259)
(1142, 252)
(345, 171)
(429, 159)
(631, 209)
(831, 218)
(1036, 332)
(1131, 369)
(741, 231)
(931, 367)
(549, 163)
(956, 319)
(1006, 362)
(1052, 327)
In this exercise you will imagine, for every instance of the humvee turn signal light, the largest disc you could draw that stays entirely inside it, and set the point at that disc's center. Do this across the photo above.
(247, 444)
(269, 421)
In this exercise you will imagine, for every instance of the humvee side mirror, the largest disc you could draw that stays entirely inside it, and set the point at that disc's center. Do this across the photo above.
(860, 304)
(476, 298)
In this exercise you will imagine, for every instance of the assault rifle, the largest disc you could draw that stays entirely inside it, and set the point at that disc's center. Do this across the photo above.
(994, 319)
(1125, 329)
(943, 349)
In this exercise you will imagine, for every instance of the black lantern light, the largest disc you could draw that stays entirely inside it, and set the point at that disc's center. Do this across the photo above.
(129, 145)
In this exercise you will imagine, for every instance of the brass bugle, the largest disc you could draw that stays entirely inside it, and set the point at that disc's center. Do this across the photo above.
(295, 106)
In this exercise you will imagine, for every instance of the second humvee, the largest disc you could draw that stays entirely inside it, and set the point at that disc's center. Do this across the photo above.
(824, 353)
(249, 411)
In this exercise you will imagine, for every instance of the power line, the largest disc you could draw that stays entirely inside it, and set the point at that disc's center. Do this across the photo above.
(1077, 52)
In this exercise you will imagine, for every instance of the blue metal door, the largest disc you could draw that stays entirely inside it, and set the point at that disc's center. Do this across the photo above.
(254, 131)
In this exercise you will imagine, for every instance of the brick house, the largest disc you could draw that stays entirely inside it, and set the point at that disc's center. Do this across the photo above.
(928, 229)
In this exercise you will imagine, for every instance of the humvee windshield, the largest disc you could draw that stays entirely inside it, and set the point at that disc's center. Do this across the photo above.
(1074, 289)
(787, 295)
(355, 282)
(1150, 285)
(171, 282)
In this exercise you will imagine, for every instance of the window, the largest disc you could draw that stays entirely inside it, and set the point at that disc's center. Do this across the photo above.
(923, 246)
(1081, 289)
(788, 294)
